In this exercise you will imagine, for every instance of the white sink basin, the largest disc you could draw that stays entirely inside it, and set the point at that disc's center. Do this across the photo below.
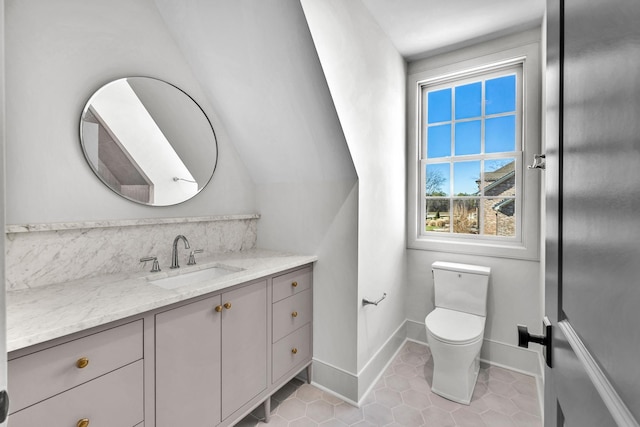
(199, 276)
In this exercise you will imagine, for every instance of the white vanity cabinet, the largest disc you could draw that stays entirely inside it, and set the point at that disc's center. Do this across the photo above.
(204, 361)
(211, 357)
(79, 382)
(219, 357)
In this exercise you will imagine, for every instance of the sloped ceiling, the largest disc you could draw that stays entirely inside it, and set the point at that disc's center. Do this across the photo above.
(257, 64)
(422, 28)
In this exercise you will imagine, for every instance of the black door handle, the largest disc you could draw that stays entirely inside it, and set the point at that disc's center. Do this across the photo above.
(524, 338)
(4, 405)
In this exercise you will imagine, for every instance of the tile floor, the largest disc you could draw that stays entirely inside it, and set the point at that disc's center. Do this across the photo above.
(403, 397)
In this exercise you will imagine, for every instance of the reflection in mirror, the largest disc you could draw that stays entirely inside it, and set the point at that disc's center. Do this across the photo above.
(148, 141)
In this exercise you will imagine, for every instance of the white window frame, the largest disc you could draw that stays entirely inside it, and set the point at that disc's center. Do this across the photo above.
(456, 68)
(503, 69)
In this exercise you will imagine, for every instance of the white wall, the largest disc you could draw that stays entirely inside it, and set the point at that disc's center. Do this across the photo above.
(57, 54)
(366, 77)
(257, 63)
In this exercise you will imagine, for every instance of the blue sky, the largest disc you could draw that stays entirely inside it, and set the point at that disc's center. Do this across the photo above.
(446, 107)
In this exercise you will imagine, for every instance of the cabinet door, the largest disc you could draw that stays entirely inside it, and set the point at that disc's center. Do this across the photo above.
(244, 348)
(188, 365)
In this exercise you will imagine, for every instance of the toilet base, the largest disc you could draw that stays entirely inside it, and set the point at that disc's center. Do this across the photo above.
(455, 369)
(456, 386)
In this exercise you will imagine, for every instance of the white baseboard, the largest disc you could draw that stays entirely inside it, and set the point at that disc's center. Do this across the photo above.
(342, 383)
(333, 393)
(511, 357)
(375, 367)
(416, 331)
(540, 383)
(354, 388)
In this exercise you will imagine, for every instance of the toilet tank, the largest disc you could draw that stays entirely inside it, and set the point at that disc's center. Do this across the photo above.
(461, 287)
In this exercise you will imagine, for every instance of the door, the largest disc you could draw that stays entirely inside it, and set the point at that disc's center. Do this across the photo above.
(4, 402)
(592, 212)
(188, 364)
(244, 349)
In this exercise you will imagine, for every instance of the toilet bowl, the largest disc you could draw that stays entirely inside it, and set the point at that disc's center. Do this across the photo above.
(455, 328)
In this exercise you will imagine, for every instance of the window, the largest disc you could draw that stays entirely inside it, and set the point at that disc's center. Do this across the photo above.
(474, 124)
(471, 155)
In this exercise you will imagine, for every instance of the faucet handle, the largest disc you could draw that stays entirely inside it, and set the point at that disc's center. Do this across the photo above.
(192, 257)
(156, 265)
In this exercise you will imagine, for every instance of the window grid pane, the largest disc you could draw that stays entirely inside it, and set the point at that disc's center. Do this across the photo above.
(440, 103)
(499, 217)
(437, 215)
(439, 141)
(469, 99)
(437, 180)
(466, 216)
(468, 138)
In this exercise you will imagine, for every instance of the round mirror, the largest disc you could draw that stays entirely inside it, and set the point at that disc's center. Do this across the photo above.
(148, 141)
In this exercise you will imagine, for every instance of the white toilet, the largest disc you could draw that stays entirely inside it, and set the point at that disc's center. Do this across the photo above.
(456, 327)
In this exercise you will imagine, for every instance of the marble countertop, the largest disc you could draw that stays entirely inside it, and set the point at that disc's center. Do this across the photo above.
(44, 313)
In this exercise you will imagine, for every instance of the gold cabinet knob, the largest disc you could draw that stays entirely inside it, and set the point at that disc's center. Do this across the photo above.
(294, 314)
(218, 308)
(82, 363)
(294, 284)
(294, 350)
(83, 422)
(227, 305)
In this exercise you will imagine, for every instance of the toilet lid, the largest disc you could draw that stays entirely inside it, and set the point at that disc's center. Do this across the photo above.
(454, 327)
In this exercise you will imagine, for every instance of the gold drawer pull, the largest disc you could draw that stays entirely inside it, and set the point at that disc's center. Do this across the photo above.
(294, 284)
(218, 308)
(294, 314)
(83, 362)
(227, 305)
(294, 350)
(83, 422)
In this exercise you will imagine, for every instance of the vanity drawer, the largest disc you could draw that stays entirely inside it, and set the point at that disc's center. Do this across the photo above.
(291, 351)
(291, 283)
(291, 313)
(38, 376)
(113, 400)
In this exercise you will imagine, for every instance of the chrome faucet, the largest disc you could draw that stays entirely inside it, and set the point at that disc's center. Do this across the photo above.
(174, 252)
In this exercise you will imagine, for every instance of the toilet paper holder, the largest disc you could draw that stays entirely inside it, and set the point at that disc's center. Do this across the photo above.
(367, 302)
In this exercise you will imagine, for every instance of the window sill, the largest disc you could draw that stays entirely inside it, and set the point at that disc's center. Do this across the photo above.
(502, 249)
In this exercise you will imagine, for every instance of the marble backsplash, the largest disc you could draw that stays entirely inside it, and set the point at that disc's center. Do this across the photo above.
(45, 254)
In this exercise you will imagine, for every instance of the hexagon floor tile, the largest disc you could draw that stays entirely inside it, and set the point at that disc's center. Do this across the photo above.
(403, 397)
